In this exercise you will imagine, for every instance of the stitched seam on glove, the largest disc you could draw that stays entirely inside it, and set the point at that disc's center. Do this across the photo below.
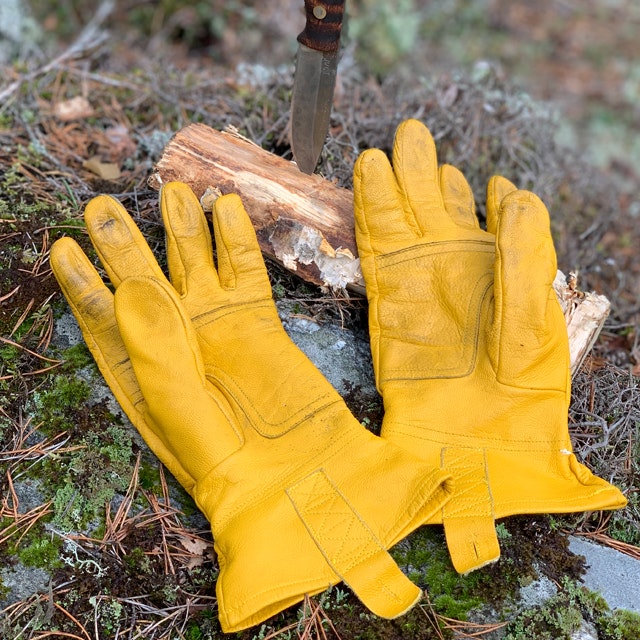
(340, 441)
(218, 377)
(444, 437)
(470, 342)
(208, 317)
(431, 248)
(342, 536)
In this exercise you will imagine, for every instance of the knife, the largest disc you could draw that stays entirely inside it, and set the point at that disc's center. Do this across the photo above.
(315, 79)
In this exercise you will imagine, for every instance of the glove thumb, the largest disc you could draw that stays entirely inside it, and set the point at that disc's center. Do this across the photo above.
(163, 349)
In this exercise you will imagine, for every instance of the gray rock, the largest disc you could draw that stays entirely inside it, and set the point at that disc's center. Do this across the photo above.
(586, 632)
(340, 354)
(22, 582)
(19, 33)
(537, 593)
(615, 575)
(29, 494)
(66, 332)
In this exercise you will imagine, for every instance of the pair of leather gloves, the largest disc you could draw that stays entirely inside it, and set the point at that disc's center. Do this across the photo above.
(470, 354)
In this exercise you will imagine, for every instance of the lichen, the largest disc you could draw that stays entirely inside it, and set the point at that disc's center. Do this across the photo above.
(563, 614)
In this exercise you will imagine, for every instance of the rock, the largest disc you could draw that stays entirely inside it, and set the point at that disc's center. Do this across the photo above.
(22, 582)
(537, 593)
(340, 354)
(18, 31)
(615, 575)
(586, 632)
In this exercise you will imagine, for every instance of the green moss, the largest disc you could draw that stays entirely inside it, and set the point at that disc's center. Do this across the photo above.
(82, 480)
(425, 559)
(76, 357)
(557, 620)
(42, 552)
(86, 481)
(108, 612)
(563, 614)
(149, 477)
(619, 625)
(4, 590)
(137, 561)
(55, 404)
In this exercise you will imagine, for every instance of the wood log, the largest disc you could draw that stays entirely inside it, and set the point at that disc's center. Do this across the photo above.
(303, 221)
(306, 222)
(584, 313)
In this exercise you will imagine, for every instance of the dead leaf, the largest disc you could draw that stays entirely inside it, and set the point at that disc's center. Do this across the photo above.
(200, 549)
(197, 546)
(104, 170)
(76, 108)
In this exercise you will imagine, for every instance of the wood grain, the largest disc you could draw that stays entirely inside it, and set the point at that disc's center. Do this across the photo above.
(303, 221)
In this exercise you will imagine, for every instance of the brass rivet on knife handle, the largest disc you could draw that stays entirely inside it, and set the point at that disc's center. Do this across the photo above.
(324, 22)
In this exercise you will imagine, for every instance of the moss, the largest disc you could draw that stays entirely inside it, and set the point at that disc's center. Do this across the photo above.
(42, 552)
(137, 561)
(149, 477)
(564, 613)
(86, 480)
(54, 405)
(619, 625)
(76, 357)
(82, 480)
(108, 612)
(557, 620)
(425, 559)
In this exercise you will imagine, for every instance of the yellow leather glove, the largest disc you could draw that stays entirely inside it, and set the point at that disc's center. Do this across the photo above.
(299, 495)
(469, 343)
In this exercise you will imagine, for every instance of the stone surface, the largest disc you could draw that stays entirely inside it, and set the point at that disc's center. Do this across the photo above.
(18, 31)
(340, 354)
(615, 575)
(537, 593)
(586, 632)
(22, 582)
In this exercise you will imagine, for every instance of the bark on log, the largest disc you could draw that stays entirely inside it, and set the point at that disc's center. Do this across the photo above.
(306, 222)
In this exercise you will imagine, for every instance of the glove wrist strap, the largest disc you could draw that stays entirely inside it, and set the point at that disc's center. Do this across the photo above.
(468, 519)
(350, 547)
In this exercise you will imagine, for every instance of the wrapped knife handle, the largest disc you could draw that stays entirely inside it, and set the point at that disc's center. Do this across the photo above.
(324, 22)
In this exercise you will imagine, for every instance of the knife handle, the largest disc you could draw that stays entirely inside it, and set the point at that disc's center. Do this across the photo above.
(324, 23)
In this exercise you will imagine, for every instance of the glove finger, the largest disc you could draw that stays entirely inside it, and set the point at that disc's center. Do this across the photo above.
(93, 306)
(458, 197)
(163, 348)
(497, 190)
(120, 245)
(240, 261)
(189, 247)
(415, 163)
(382, 217)
(532, 346)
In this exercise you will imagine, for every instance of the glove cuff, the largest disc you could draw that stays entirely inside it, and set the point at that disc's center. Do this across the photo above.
(350, 547)
(303, 541)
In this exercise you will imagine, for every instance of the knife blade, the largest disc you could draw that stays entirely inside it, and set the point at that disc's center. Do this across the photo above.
(315, 79)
